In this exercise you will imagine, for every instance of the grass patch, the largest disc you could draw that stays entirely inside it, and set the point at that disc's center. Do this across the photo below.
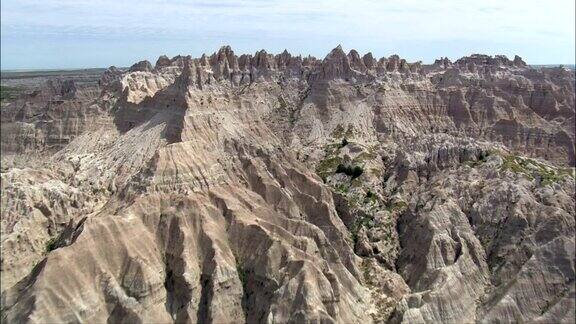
(550, 176)
(283, 105)
(532, 169)
(332, 149)
(9, 93)
(342, 188)
(364, 208)
(482, 158)
(349, 131)
(242, 275)
(282, 102)
(328, 166)
(363, 157)
(516, 164)
(366, 221)
(332, 163)
(338, 131)
(377, 172)
(356, 183)
(398, 206)
(471, 164)
(370, 198)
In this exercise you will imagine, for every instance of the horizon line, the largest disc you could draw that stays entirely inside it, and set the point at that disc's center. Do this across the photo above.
(24, 70)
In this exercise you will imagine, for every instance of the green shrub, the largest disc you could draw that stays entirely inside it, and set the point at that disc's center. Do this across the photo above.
(354, 172)
(52, 244)
(342, 168)
(360, 221)
(357, 171)
(242, 275)
(371, 198)
(483, 156)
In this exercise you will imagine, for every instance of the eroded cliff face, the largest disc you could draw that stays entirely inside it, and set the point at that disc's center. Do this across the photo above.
(274, 188)
(49, 118)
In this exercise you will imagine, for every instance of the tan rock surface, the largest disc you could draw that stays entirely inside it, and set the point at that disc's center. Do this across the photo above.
(273, 188)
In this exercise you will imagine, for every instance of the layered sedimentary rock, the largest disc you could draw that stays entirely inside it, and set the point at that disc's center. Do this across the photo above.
(274, 188)
(49, 117)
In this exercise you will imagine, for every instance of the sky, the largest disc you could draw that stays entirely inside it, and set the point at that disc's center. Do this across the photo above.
(53, 34)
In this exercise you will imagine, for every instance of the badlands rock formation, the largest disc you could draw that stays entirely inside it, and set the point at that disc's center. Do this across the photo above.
(277, 188)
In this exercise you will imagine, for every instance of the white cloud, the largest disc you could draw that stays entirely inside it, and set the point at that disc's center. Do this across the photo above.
(364, 23)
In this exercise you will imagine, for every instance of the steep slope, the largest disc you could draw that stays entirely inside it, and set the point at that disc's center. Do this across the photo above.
(273, 188)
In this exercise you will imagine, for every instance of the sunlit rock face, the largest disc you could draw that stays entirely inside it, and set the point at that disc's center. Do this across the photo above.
(279, 188)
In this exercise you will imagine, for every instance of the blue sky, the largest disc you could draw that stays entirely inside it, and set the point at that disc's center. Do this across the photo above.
(99, 33)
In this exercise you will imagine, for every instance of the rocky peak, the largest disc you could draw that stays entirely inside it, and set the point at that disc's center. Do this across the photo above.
(223, 62)
(179, 60)
(263, 61)
(188, 76)
(65, 89)
(443, 63)
(142, 66)
(204, 60)
(381, 65)
(393, 63)
(225, 66)
(415, 67)
(482, 60)
(283, 59)
(244, 62)
(163, 61)
(110, 79)
(518, 61)
(369, 61)
(309, 61)
(224, 55)
(335, 65)
(355, 62)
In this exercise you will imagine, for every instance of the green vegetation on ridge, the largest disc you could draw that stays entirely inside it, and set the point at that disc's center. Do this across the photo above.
(9, 93)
